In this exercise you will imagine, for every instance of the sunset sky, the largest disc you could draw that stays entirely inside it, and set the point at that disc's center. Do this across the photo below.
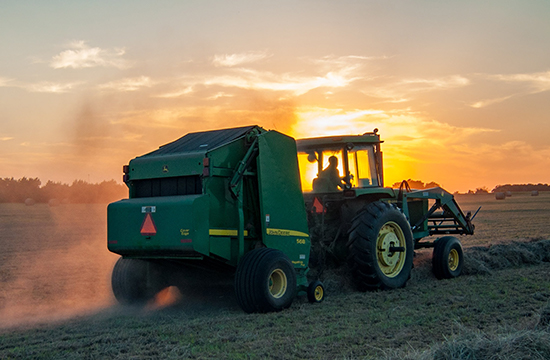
(459, 90)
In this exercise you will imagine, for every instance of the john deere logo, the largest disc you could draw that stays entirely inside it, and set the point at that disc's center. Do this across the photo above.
(165, 168)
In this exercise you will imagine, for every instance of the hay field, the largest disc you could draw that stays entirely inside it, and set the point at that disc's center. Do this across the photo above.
(55, 299)
(519, 217)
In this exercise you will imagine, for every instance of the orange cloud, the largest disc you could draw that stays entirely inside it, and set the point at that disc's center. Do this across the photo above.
(83, 56)
(4, 81)
(51, 87)
(128, 84)
(403, 90)
(231, 60)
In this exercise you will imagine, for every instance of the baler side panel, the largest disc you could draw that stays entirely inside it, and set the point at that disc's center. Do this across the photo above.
(223, 211)
(283, 215)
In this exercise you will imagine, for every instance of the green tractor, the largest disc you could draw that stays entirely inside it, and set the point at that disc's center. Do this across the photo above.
(230, 202)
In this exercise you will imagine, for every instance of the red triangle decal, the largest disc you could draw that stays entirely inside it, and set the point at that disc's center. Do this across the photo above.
(318, 206)
(148, 228)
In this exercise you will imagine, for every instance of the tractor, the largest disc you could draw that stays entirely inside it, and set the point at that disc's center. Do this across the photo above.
(257, 204)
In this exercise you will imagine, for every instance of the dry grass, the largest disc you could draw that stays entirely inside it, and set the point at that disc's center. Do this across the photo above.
(470, 345)
(499, 310)
(519, 217)
(485, 259)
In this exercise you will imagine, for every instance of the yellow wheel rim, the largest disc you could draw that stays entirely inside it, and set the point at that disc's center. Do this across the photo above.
(319, 293)
(390, 237)
(454, 259)
(277, 283)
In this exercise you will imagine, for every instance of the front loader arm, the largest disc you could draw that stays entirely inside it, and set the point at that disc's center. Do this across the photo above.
(451, 220)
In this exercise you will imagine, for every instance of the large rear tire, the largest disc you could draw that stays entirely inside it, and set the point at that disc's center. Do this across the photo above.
(380, 247)
(447, 258)
(135, 282)
(265, 281)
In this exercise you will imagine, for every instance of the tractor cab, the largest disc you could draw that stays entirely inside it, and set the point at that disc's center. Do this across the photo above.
(335, 163)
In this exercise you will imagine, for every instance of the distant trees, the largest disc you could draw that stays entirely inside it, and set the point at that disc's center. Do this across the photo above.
(12, 190)
(417, 184)
(17, 191)
(480, 190)
(512, 188)
(521, 187)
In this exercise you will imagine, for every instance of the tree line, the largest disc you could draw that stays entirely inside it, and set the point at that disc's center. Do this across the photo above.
(79, 192)
(521, 187)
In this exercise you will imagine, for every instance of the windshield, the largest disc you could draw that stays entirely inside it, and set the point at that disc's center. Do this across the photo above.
(335, 169)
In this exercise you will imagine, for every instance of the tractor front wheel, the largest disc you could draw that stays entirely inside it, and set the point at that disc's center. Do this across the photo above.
(135, 282)
(265, 281)
(380, 247)
(315, 292)
(447, 258)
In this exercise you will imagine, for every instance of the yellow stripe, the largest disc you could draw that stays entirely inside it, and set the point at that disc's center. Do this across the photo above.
(283, 232)
(225, 232)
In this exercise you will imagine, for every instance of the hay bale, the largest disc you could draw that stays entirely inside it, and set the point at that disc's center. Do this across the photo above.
(508, 193)
(29, 202)
(534, 193)
(53, 202)
(500, 196)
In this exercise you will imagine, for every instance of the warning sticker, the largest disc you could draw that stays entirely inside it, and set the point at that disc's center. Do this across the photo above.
(148, 227)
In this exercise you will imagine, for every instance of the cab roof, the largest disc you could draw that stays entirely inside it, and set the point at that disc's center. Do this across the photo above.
(337, 141)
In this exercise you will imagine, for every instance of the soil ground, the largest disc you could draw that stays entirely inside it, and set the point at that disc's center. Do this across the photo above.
(56, 302)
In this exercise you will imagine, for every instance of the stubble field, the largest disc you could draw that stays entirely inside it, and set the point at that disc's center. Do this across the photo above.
(56, 302)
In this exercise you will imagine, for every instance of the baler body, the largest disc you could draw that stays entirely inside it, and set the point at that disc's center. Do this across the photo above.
(183, 205)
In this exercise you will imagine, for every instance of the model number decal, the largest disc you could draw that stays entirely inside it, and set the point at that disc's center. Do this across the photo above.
(301, 241)
(184, 232)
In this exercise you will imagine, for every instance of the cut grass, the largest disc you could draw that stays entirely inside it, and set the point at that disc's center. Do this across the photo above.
(351, 325)
(501, 304)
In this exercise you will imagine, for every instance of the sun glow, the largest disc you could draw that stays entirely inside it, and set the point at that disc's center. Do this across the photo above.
(328, 122)
(415, 147)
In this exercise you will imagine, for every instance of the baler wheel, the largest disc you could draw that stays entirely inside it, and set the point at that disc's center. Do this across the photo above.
(315, 292)
(265, 281)
(447, 258)
(380, 247)
(135, 282)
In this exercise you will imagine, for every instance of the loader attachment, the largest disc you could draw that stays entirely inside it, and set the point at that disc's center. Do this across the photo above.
(443, 217)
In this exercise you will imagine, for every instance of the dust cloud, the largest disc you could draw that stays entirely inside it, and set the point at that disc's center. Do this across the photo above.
(55, 266)
(54, 263)
(102, 133)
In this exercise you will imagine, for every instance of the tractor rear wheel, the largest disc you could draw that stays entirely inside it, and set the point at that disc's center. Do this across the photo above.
(265, 281)
(135, 282)
(447, 258)
(380, 247)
